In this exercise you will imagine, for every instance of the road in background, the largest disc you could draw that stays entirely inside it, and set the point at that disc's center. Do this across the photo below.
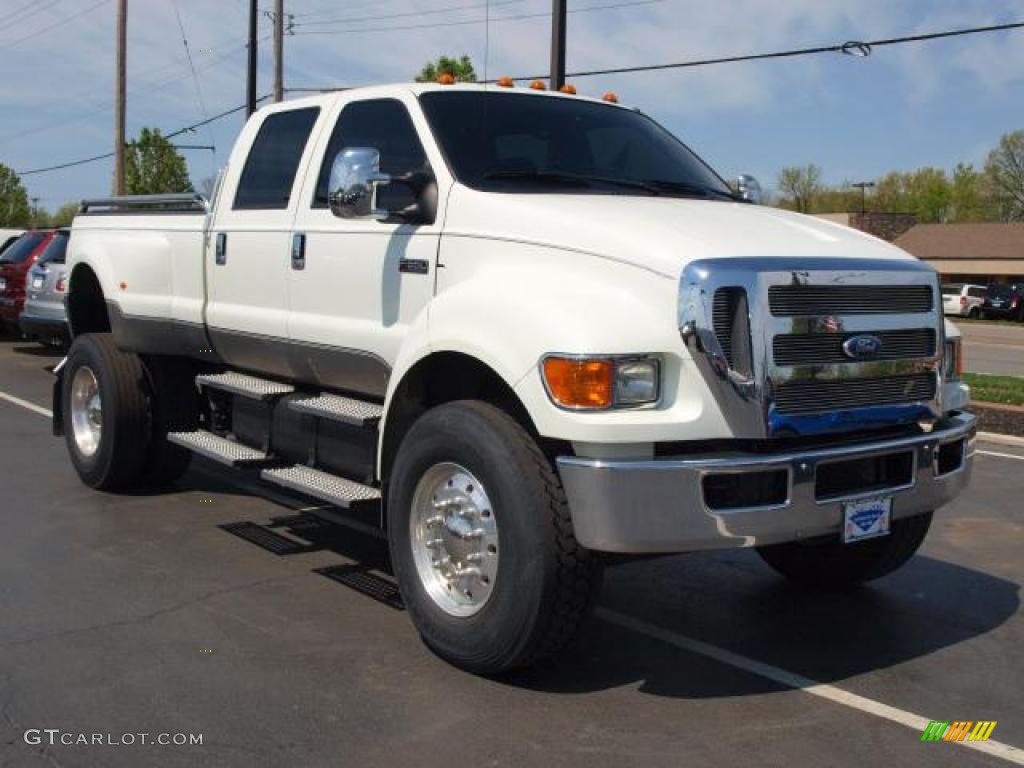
(124, 613)
(993, 347)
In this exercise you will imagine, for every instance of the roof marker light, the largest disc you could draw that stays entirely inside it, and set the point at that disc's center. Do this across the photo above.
(610, 97)
(568, 88)
(538, 85)
(446, 78)
(506, 82)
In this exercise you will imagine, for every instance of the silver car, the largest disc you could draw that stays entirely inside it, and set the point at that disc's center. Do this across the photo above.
(45, 317)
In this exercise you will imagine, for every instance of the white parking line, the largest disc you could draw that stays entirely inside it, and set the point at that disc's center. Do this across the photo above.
(1000, 455)
(807, 685)
(776, 674)
(27, 405)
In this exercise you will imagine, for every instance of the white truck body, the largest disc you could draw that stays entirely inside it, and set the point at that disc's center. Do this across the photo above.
(828, 383)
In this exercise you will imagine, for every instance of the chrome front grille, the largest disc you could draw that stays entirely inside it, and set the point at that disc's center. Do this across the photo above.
(808, 299)
(815, 396)
(815, 345)
(817, 348)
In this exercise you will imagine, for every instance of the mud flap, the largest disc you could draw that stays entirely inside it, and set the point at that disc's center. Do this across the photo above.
(57, 399)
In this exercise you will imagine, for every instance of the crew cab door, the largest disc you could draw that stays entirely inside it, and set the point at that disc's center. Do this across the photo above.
(356, 285)
(247, 260)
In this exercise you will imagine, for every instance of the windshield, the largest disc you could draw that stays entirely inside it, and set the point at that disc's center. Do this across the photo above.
(952, 288)
(508, 142)
(22, 249)
(56, 251)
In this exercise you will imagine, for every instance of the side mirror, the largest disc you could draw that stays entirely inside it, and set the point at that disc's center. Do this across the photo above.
(355, 176)
(749, 189)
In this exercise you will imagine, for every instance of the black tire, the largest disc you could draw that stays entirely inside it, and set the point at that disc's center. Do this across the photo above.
(119, 459)
(830, 564)
(174, 407)
(974, 313)
(545, 583)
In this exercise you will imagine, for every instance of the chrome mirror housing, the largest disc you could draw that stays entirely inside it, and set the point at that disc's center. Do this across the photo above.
(355, 176)
(749, 189)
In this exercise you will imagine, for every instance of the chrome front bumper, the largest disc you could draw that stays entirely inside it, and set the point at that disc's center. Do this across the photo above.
(660, 505)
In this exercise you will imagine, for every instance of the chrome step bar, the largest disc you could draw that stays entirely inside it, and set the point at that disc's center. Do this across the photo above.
(244, 385)
(359, 413)
(323, 485)
(218, 448)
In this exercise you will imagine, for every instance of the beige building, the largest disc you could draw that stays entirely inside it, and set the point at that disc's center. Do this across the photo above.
(979, 253)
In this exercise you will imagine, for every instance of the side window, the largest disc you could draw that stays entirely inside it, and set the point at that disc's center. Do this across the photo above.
(977, 293)
(269, 171)
(384, 125)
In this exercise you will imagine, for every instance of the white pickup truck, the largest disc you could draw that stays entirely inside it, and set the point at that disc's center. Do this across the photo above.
(518, 330)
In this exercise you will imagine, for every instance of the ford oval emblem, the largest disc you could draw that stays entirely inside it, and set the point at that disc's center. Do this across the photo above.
(862, 347)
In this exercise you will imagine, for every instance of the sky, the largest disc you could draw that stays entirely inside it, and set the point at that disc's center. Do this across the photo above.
(934, 103)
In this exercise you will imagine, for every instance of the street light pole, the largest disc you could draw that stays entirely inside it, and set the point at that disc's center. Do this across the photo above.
(863, 186)
(558, 13)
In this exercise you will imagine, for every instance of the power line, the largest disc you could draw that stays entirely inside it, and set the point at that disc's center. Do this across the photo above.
(60, 23)
(858, 48)
(178, 132)
(195, 78)
(21, 13)
(433, 25)
(404, 14)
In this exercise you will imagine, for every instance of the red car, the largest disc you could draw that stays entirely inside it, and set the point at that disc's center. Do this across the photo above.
(15, 262)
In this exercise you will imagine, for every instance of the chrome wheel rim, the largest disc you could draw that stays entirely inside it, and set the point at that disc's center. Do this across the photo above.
(454, 538)
(86, 411)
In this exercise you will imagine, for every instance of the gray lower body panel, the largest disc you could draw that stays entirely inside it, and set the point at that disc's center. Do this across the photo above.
(660, 506)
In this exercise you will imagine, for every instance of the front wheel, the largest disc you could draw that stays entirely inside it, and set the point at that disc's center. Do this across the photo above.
(829, 563)
(482, 542)
(974, 313)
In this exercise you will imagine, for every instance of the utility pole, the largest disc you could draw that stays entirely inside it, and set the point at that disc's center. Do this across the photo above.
(557, 44)
(120, 75)
(278, 50)
(251, 89)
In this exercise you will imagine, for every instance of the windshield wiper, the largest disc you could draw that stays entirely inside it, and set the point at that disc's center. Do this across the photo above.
(565, 177)
(693, 190)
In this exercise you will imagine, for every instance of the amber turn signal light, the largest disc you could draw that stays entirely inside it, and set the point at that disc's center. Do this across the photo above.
(538, 85)
(506, 82)
(576, 383)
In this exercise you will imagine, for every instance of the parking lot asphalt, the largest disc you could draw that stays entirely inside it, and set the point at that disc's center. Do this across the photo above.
(993, 348)
(129, 614)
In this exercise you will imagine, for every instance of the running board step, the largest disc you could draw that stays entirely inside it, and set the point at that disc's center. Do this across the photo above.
(337, 408)
(218, 448)
(322, 485)
(246, 386)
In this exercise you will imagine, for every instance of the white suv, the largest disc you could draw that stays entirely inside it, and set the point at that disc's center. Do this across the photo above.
(963, 299)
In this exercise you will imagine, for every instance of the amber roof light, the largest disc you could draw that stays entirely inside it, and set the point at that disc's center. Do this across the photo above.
(567, 88)
(446, 78)
(538, 85)
(506, 82)
(611, 97)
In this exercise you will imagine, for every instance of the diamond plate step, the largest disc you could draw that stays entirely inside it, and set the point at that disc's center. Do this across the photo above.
(322, 485)
(218, 448)
(338, 408)
(246, 386)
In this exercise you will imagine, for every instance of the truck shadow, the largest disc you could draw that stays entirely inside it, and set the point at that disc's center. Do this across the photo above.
(928, 606)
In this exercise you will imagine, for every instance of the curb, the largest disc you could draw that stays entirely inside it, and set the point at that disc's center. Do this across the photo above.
(995, 437)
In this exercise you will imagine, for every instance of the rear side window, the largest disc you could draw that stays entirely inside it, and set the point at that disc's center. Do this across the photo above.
(56, 252)
(977, 293)
(269, 172)
(952, 288)
(7, 242)
(22, 248)
(384, 125)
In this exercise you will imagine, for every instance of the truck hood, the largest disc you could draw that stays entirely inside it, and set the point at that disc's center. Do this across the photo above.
(661, 234)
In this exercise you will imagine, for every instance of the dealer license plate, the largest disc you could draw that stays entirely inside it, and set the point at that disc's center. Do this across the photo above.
(866, 519)
(37, 282)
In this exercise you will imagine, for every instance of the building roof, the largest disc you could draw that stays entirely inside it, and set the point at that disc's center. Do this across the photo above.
(976, 241)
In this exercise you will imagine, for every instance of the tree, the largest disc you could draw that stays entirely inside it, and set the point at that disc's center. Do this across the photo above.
(925, 192)
(461, 69)
(154, 166)
(799, 187)
(63, 216)
(970, 200)
(1004, 176)
(14, 208)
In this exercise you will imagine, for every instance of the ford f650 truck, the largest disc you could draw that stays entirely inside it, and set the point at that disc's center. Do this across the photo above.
(518, 331)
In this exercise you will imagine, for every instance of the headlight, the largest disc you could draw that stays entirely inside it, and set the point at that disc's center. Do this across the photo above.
(953, 365)
(601, 383)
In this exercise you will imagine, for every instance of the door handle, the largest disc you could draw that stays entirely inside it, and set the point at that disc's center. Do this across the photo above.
(298, 251)
(221, 251)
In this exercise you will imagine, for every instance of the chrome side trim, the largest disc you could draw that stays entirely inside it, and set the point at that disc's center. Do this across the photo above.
(649, 506)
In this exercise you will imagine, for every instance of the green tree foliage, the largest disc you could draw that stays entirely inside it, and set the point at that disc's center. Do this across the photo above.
(153, 166)
(799, 187)
(64, 215)
(925, 192)
(14, 207)
(1004, 175)
(461, 69)
(970, 200)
